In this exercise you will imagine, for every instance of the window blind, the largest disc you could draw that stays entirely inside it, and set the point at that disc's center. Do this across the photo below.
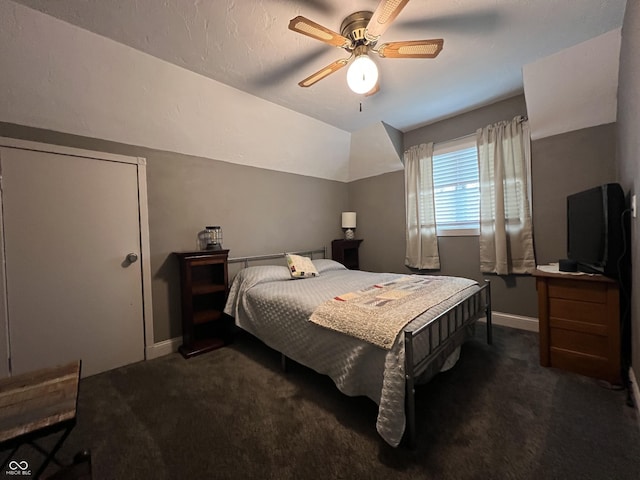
(456, 186)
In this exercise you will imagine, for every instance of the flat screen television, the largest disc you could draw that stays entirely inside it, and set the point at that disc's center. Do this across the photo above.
(595, 229)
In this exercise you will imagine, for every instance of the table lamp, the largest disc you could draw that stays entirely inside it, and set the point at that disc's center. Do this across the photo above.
(349, 223)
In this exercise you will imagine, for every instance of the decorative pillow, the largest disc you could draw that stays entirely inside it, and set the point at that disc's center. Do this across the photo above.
(325, 264)
(301, 267)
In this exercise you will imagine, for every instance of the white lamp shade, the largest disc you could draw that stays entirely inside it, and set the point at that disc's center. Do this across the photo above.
(362, 74)
(348, 219)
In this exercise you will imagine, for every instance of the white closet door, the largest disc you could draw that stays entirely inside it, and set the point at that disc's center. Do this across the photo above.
(69, 223)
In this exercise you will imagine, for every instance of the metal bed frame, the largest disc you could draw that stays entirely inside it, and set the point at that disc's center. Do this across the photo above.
(275, 256)
(453, 321)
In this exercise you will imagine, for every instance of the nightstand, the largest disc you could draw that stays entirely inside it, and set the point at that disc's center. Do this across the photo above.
(204, 285)
(346, 252)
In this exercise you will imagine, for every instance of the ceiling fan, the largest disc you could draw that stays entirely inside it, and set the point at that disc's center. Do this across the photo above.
(359, 36)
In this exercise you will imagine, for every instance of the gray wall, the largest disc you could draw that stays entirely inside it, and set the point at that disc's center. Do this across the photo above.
(628, 149)
(260, 211)
(466, 123)
(561, 165)
(379, 203)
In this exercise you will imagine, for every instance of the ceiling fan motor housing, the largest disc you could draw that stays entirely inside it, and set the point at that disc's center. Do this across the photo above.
(354, 27)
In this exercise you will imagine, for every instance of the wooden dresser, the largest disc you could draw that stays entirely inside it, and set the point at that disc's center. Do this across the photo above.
(580, 324)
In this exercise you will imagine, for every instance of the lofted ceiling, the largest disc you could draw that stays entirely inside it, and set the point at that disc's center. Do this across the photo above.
(247, 45)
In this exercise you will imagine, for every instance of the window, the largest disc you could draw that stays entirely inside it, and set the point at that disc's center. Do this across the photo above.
(456, 187)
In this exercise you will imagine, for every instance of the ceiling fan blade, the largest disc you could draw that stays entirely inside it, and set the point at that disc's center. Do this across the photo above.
(385, 13)
(324, 72)
(315, 30)
(412, 49)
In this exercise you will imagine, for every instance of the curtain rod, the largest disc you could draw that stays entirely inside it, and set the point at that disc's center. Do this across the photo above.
(521, 117)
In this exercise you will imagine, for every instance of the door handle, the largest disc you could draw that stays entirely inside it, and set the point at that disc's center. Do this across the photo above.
(129, 259)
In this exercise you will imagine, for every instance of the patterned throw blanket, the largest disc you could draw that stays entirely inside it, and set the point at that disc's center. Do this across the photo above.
(377, 314)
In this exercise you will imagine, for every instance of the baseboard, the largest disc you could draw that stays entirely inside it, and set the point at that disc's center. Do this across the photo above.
(520, 322)
(514, 321)
(635, 391)
(163, 348)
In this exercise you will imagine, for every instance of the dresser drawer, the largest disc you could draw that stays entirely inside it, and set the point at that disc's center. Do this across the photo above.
(579, 342)
(595, 292)
(589, 365)
(578, 311)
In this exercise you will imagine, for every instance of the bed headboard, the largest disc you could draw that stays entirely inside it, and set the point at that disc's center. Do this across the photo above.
(274, 256)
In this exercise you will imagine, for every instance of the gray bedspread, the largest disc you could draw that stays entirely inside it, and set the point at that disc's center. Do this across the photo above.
(267, 303)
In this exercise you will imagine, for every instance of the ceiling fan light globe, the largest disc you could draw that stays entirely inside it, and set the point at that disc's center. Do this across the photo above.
(362, 75)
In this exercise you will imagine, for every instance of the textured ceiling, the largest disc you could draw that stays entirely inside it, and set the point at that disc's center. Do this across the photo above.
(246, 44)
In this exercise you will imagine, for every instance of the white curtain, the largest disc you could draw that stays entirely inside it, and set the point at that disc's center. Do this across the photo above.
(504, 158)
(422, 240)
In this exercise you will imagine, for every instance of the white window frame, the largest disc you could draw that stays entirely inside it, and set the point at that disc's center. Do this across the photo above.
(462, 143)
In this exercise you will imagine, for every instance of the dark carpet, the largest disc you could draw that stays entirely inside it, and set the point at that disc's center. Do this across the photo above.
(233, 414)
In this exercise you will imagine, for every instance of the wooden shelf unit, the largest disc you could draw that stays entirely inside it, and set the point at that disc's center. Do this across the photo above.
(204, 284)
(346, 252)
(580, 324)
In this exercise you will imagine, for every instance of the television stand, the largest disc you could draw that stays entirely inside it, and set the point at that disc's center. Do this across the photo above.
(579, 318)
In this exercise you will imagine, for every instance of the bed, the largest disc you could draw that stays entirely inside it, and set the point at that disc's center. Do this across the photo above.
(268, 303)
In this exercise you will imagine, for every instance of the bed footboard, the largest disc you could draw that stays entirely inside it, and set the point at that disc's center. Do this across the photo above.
(443, 331)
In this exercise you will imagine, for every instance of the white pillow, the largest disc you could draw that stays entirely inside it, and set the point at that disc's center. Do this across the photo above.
(325, 264)
(301, 267)
(262, 273)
